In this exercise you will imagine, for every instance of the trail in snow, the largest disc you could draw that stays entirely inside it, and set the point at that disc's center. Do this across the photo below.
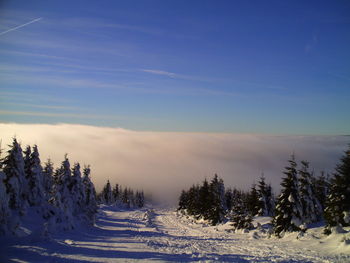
(129, 236)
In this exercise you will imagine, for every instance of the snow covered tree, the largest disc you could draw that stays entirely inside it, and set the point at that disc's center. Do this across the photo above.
(125, 198)
(288, 213)
(312, 210)
(6, 221)
(116, 193)
(217, 195)
(205, 200)
(36, 194)
(62, 189)
(48, 178)
(229, 199)
(183, 200)
(270, 198)
(90, 195)
(139, 199)
(322, 185)
(77, 190)
(337, 211)
(240, 217)
(252, 201)
(265, 197)
(106, 194)
(15, 181)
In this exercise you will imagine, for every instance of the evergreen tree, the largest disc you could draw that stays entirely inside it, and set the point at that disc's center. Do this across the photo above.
(140, 199)
(63, 190)
(15, 181)
(253, 201)
(311, 207)
(288, 213)
(183, 200)
(116, 193)
(77, 189)
(36, 194)
(337, 211)
(107, 197)
(48, 178)
(229, 199)
(125, 198)
(90, 195)
(240, 217)
(322, 186)
(217, 193)
(205, 200)
(6, 224)
(270, 198)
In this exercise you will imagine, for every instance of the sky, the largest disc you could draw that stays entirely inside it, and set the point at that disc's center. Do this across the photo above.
(257, 67)
(164, 163)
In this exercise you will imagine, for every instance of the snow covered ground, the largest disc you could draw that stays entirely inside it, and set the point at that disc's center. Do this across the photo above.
(162, 235)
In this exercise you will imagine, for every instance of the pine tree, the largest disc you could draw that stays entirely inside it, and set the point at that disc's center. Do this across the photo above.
(63, 190)
(183, 200)
(288, 213)
(205, 200)
(90, 195)
(240, 217)
(116, 193)
(5, 212)
(15, 181)
(337, 211)
(48, 178)
(36, 194)
(140, 199)
(270, 198)
(253, 201)
(77, 189)
(311, 207)
(107, 197)
(217, 193)
(229, 199)
(125, 198)
(322, 186)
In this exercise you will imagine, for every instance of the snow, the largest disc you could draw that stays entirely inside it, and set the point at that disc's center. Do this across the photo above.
(159, 234)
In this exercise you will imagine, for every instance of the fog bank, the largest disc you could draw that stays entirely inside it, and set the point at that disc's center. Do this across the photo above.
(166, 162)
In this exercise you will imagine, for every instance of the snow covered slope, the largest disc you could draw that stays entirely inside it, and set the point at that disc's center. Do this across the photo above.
(161, 235)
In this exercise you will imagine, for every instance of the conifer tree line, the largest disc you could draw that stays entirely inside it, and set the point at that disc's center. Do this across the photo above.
(212, 202)
(304, 198)
(122, 197)
(61, 198)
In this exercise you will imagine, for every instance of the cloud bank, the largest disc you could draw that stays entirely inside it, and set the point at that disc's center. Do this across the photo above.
(166, 162)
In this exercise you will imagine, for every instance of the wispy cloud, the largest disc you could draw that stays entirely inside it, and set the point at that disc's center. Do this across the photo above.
(53, 114)
(40, 106)
(20, 26)
(161, 72)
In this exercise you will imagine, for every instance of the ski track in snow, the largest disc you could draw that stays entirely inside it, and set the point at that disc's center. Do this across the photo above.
(141, 235)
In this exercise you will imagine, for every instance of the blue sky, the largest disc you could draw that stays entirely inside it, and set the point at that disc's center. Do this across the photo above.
(280, 67)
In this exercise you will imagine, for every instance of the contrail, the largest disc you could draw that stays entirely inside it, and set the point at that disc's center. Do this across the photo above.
(11, 29)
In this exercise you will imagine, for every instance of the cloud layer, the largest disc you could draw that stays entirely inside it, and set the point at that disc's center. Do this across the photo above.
(164, 162)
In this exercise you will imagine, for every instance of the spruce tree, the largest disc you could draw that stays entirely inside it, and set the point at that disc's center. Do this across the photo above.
(183, 200)
(288, 213)
(253, 203)
(205, 200)
(311, 207)
(36, 194)
(48, 181)
(15, 181)
(322, 186)
(217, 193)
(240, 217)
(337, 211)
(90, 195)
